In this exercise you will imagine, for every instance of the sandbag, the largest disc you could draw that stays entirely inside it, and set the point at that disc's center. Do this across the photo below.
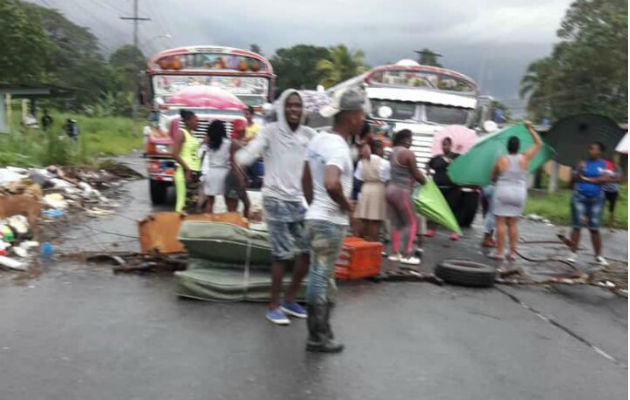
(219, 284)
(225, 243)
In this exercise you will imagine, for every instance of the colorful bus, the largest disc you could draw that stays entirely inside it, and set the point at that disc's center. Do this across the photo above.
(423, 99)
(212, 81)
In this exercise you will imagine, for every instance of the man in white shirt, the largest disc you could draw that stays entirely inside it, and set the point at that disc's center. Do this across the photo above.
(327, 186)
(282, 145)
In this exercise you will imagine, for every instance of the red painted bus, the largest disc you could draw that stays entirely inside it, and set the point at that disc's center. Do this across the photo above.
(215, 82)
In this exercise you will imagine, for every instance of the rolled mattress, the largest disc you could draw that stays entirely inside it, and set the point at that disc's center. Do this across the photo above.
(220, 284)
(225, 243)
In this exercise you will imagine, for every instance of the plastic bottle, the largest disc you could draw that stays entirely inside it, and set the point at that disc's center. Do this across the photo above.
(46, 251)
(7, 233)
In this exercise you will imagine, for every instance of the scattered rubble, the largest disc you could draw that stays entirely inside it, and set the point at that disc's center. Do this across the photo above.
(31, 198)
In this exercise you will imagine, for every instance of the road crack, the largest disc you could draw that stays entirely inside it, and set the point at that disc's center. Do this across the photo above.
(563, 328)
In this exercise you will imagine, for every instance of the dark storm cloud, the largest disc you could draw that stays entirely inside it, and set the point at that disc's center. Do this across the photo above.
(492, 41)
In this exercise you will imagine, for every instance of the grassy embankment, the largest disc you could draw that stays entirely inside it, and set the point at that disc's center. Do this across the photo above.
(99, 137)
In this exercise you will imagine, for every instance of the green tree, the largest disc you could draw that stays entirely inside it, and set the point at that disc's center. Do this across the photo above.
(24, 54)
(588, 71)
(296, 66)
(74, 56)
(341, 64)
(127, 61)
(255, 49)
(428, 57)
(535, 87)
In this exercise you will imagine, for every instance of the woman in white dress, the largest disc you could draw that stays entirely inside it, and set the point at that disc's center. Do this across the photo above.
(373, 171)
(216, 161)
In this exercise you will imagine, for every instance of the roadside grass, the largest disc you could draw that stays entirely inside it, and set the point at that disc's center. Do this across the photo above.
(556, 207)
(99, 136)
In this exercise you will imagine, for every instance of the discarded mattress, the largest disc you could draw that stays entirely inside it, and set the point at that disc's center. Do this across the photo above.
(225, 243)
(221, 284)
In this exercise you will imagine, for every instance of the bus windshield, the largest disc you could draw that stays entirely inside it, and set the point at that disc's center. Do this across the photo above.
(249, 89)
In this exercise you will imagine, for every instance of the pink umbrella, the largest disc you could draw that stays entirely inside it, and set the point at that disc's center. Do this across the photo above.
(206, 97)
(462, 137)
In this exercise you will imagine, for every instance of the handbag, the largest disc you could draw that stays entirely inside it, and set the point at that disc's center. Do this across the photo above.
(196, 175)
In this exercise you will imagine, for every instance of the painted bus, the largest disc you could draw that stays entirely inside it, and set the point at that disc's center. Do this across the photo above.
(215, 82)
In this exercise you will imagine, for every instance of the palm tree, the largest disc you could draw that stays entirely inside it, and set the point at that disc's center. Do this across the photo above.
(534, 86)
(342, 64)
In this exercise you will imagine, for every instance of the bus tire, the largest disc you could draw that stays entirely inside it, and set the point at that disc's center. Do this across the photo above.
(158, 192)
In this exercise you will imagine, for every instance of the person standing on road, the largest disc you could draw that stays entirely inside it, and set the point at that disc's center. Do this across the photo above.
(47, 120)
(587, 202)
(611, 190)
(404, 173)
(488, 218)
(283, 146)
(510, 174)
(373, 172)
(327, 183)
(186, 154)
(252, 128)
(452, 193)
(220, 176)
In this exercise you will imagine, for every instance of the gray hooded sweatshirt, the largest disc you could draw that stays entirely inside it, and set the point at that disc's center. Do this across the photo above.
(283, 151)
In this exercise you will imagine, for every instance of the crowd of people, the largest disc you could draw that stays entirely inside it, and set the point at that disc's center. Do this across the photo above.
(308, 196)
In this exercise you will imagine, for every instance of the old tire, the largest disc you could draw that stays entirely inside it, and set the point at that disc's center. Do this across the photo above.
(158, 192)
(465, 273)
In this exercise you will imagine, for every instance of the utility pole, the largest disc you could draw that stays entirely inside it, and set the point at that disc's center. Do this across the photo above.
(135, 19)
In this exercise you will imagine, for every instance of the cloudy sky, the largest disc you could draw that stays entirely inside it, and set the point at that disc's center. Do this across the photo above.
(492, 41)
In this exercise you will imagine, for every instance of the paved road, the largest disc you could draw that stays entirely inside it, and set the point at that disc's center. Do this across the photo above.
(80, 332)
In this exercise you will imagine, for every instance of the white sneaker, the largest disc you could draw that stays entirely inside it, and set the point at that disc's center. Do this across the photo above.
(394, 257)
(573, 257)
(601, 261)
(410, 260)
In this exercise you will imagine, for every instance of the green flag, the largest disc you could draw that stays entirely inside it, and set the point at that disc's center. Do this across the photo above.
(430, 202)
(474, 167)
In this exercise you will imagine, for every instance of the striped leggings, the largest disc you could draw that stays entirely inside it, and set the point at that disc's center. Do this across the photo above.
(402, 218)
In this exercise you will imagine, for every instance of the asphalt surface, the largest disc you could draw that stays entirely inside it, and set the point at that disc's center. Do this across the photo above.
(81, 332)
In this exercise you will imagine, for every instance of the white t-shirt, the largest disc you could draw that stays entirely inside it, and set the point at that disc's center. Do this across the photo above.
(324, 150)
(383, 169)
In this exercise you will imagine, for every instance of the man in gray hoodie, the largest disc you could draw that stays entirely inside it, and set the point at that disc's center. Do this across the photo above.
(282, 145)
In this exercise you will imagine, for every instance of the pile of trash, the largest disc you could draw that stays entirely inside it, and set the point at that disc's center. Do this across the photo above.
(30, 196)
(17, 244)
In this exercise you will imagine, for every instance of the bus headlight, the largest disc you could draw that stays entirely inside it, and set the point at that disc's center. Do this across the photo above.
(162, 149)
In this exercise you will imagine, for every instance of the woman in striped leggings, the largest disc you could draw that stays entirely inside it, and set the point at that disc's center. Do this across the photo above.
(404, 174)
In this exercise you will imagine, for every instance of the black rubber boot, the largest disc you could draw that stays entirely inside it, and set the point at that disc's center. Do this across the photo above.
(318, 331)
(329, 332)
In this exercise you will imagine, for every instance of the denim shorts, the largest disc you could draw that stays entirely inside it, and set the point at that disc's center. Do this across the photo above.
(285, 223)
(586, 211)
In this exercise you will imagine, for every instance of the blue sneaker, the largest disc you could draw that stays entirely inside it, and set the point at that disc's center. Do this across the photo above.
(278, 317)
(294, 310)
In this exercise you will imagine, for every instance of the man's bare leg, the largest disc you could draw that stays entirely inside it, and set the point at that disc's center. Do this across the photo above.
(277, 273)
(300, 269)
